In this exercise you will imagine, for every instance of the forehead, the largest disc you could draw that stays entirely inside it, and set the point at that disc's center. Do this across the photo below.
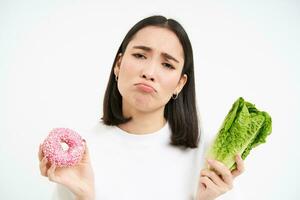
(159, 39)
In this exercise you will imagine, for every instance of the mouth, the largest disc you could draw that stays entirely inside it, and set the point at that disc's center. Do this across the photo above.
(145, 88)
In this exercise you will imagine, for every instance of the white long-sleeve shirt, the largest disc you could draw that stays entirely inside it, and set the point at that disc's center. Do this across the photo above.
(140, 167)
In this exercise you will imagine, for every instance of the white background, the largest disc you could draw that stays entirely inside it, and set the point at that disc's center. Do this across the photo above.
(55, 58)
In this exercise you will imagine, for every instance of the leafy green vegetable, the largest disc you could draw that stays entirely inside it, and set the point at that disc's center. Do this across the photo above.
(244, 128)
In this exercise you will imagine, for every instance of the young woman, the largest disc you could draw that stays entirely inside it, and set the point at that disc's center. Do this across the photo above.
(148, 144)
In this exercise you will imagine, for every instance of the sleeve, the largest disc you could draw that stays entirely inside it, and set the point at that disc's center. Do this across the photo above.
(62, 193)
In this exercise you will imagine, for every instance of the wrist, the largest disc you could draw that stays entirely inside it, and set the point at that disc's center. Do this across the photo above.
(89, 195)
(85, 193)
(85, 198)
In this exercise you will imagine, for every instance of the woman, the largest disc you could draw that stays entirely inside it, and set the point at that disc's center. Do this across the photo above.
(148, 144)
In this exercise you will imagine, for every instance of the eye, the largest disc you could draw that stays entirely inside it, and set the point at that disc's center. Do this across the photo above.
(167, 65)
(137, 55)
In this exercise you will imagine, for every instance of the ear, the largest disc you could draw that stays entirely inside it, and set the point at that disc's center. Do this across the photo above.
(181, 83)
(118, 64)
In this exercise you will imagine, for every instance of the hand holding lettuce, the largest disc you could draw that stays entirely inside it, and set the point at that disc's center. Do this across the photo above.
(244, 128)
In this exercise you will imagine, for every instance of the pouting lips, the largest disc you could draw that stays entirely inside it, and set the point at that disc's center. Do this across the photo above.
(145, 88)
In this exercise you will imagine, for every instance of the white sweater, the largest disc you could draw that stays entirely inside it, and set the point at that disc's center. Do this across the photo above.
(140, 167)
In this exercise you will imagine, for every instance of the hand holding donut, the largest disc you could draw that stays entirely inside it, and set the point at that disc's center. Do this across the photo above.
(213, 183)
(70, 168)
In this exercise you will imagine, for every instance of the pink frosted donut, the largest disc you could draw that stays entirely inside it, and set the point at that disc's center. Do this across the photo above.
(53, 149)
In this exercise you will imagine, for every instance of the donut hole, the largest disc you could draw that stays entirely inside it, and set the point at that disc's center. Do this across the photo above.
(64, 146)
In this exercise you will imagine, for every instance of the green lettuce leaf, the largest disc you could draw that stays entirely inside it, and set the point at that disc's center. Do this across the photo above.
(244, 128)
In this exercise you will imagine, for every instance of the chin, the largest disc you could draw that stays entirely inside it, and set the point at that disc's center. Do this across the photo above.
(141, 101)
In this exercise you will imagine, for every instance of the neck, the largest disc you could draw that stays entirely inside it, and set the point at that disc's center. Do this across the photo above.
(143, 122)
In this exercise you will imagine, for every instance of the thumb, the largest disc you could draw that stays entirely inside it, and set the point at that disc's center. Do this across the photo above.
(86, 154)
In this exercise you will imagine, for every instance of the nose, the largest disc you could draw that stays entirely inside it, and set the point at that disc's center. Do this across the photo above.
(148, 72)
(147, 77)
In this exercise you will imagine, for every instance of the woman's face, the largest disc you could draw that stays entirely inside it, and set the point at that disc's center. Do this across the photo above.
(149, 72)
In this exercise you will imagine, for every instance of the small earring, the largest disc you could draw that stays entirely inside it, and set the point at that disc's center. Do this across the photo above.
(116, 78)
(174, 96)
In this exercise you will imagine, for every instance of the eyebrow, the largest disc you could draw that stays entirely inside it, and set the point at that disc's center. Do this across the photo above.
(167, 56)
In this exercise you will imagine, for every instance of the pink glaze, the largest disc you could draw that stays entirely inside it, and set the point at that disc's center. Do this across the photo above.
(54, 151)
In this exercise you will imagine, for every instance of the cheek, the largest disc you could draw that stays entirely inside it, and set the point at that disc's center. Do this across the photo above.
(129, 69)
(169, 83)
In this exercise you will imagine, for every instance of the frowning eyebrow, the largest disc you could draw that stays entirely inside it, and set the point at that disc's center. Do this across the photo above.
(167, 56)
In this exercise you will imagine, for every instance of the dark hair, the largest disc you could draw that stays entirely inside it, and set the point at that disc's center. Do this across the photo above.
(181, 113)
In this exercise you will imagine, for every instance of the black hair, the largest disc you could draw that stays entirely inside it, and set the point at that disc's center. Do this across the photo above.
(181, 113)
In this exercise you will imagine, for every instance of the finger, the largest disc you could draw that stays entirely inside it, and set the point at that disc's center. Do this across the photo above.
(40, 154)
(85, 157)
(208, 183)
(51, 173)
(240, 166)
(86, 149)
(222, 170)
(214, 177)
(43, 166)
